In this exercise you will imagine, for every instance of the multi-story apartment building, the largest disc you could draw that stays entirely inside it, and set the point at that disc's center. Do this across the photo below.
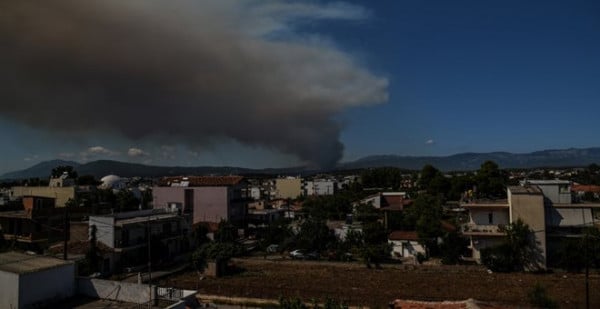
(36, 223)
(320, 187)
(544, 205)
(206, 198)
(130, 233)
(289, 187)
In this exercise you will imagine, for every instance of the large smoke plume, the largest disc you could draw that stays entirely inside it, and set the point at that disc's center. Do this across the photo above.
(191, 70)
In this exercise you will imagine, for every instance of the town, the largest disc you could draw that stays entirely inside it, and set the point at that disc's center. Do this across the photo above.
(160, 241)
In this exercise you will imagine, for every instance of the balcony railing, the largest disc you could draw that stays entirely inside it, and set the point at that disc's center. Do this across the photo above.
(483, 230)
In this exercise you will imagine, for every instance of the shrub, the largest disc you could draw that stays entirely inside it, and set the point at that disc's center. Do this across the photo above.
(538, 297)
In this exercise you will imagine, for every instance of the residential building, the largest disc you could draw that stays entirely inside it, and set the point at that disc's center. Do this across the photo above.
(36, 223)
(387, 200)
(405, 244)
(130, 233)
(206, 198)
(60, 194)
(544, 205)
(485, 227)
(320, 187)
(33, 281)
(288, 188)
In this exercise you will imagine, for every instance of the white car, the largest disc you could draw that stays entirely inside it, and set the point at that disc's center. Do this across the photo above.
(297, 254)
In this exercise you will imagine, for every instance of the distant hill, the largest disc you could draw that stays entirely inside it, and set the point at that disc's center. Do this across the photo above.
(102, 168)
(472, 161)
(457, 162)
(41, 170)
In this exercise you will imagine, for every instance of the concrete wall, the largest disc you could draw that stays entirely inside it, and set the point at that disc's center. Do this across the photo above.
(406, 248)
(61, 194)
(210, 203)
(105, 232)
(288, 187)
(47, 286)
(9, 291)
(114, 290)
(480, 243)
(530, 209)
(324, 187)
(556, 193)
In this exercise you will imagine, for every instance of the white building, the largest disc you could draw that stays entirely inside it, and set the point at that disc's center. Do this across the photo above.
(319, 187)
(31, 281)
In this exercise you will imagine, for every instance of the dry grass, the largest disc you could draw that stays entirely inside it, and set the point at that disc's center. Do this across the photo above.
(356, 285)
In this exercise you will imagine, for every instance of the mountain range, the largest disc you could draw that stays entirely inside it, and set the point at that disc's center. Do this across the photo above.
(572, 157)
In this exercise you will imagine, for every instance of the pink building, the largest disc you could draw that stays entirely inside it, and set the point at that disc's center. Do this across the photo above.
(207, 198)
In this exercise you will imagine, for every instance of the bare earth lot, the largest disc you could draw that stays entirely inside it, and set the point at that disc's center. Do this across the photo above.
(357, 285)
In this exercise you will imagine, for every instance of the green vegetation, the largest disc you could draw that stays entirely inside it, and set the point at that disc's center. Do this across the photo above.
(538, 297)
(517, 253)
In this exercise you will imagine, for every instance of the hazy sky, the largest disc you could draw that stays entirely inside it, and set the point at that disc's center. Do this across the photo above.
(279, 83)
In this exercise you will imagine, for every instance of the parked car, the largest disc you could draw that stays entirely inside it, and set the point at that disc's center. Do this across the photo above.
(273, 248)
(313, 255)
(297, 254)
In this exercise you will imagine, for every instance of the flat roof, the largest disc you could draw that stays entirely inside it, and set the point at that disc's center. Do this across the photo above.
(546, 182)
(533, 190)
(20, 263)
(143, 219)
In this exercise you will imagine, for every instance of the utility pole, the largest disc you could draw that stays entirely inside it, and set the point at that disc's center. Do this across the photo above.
(66, 229)
(587, 271)
(149, 264)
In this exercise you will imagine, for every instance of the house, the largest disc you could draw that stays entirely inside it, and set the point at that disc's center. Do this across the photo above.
(320, 187)
(544, 205)
(33, 281)
(35, 224)
(60, 194)
(206, 198)
(387, 200)
(130, 233)
(288, 188)
(405, 244)
(585, 192)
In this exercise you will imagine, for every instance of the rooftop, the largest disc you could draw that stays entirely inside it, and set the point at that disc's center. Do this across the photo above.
(403, 235)
(545, 182)
(200, 181)
(20, 263)
(531, 190)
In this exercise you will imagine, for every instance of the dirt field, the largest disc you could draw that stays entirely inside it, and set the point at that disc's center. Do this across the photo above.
(357, 285)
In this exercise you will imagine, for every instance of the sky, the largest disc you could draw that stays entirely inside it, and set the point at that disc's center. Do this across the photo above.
(284, 83)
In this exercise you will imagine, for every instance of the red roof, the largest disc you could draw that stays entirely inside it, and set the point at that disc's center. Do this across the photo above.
(403, 235)
(202, 181)
(585, 188)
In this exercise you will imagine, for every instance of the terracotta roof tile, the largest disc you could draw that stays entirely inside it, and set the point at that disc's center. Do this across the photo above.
(585, 188)
(403, 235)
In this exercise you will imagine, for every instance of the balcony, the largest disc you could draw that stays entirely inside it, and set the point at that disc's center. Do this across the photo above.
(471, 229)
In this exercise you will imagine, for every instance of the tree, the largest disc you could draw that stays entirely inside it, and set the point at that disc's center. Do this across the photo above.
(453, 247)
(125, 201)
(226, 232)
(518, 252)
(59, 170)
(374, 248)
(491, 182)
(314, 235)
(87, 180)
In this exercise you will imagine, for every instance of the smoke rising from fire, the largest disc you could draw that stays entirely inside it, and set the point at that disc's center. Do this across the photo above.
(194, 71)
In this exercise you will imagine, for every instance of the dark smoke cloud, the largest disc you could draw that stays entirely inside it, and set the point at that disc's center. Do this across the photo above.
(191, 70)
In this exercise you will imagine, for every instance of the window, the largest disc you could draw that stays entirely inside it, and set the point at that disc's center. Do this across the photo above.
(491, 218)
